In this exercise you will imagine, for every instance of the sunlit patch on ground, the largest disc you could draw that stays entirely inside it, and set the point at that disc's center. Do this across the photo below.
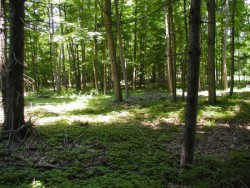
(91, 141)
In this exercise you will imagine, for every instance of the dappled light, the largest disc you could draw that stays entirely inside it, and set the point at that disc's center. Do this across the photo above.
(94, 140)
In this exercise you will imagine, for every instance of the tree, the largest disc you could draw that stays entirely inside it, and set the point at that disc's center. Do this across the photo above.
(211, 52)
(232, 50)
(187, 153)
(53, 49)
(224, 51)
(119, 33)
(14, 117)
(3, 52)
(171, 50)
(111, 47)
(183, 66)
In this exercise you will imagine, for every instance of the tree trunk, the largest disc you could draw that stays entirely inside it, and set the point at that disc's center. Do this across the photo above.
(95, 64)
(187, 153)
(14, 117)
(142, 57)
(119, 33)
(135, 49)
(170, 39)
(84, 84)
(224, 51)
(211, 52)
(112, 54)
(64, 73)
(53, 51)
(184, 66)
(168, 50)
(3, 53)
(232, 50)
(78, 69)
(104, 68)
(173, 45)
(73, 49)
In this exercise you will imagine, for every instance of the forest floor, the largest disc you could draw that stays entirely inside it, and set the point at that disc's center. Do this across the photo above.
(87, 140)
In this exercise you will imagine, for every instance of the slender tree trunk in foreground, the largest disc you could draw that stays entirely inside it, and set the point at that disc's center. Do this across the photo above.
(187, 153)
(211, 52)
(95, 64)
(135, 50)
(224, 50)
(184, 65)
(119, 33)
(3, 52)
(232, 51)
(112, 54)
(14, 117)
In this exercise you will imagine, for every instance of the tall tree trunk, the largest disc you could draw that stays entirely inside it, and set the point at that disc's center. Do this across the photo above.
(14, 117)
(184, 67)
(34, 62)
(65, 77)
(171, 51)
(51, 45)
(168, 50)
(224, 51)
(142, 56)
(95, 64)
(73, 49)
(187, 153)
(135, 51)
(3, 53)
(119, 33)
(112, 54)
(173, 45)
(203, 65)
(232, 50)
(62, 57)
(53, 51)
(211, 52)
(84, 84)
(104, 68)
(78, 69)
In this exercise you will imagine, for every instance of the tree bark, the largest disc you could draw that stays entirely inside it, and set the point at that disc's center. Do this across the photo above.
(135, 49)
(112, 54)
(104, 68)
(211, 52)
(3, 52)
(14, 117)
(119, 33)
(170, 49)
(224, 51)
(95, 52)
(53, 51)
(62, 56)
(232, 50)
(95, 65)
(187, 153)
(184, 65)
(84, 84)
(73, 49)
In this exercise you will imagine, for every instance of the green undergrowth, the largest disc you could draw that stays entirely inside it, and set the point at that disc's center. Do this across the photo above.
(115, 156)
(140, 148)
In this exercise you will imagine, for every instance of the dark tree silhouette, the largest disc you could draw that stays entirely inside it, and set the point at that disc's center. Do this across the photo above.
(14, 117)
(187, 153)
